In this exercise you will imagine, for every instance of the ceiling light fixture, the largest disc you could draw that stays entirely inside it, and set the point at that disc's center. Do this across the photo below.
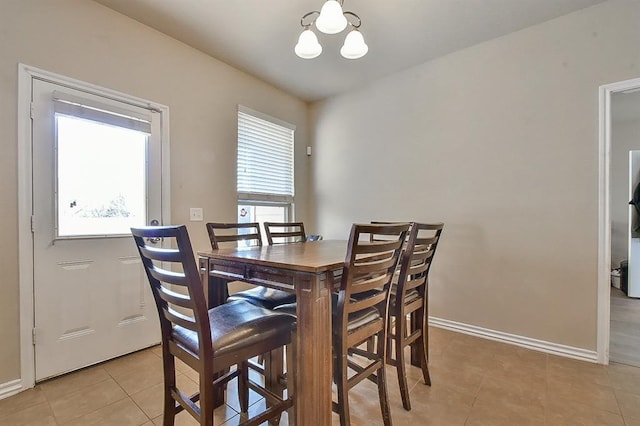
(331, 20)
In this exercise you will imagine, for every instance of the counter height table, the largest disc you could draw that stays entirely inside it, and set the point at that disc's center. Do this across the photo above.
(309, 270)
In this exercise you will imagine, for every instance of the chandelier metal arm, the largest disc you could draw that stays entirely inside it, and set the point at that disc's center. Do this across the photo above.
(347, 14)
(306, 15)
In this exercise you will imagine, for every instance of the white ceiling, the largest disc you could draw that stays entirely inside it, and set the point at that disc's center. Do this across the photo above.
(257, 36)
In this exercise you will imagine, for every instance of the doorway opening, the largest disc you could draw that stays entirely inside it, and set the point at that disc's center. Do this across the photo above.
(607, 94)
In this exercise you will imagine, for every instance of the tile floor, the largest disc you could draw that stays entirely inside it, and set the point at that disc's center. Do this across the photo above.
(475, 382)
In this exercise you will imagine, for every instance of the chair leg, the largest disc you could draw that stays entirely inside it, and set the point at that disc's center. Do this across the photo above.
(207, 400)
(382, 383)
(169, 410)
(420, 348)
(273, 363)
(401, 368)
(243, 386)
(291, 355)
(343, 389)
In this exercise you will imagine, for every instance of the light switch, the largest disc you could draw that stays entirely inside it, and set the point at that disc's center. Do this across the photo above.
(195, 214)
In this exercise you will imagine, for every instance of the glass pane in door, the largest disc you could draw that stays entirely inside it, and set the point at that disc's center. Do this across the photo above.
(101, 178)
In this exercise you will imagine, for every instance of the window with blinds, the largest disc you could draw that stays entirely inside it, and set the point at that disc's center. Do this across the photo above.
(265, 158)
(265, 168)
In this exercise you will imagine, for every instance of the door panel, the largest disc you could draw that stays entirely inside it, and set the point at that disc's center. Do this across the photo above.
(91, 298)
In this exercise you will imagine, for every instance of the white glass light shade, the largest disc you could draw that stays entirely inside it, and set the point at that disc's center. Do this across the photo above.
(331, 19)
(354, 46)
(308, 46)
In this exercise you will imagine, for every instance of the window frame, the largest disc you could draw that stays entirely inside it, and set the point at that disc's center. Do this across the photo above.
(266, 199)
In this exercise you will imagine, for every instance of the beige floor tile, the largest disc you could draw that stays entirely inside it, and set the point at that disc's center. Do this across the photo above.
(631, 422)
(579, 372)
(601, 397)
(122, 413)
(92, 398)
(75, 381)
(144, 376)
(499, 413)
(570, 413)
(151, 399)
(462, 378)
(221, 415)
(435, 405)
(36, 415)
(21, 401)
(157, 350)
(629, 404)
(624, 381)
(519, 392)
(129, 363)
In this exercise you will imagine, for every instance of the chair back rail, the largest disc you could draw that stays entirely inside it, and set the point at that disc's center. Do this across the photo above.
(234, 232)
(284, 232)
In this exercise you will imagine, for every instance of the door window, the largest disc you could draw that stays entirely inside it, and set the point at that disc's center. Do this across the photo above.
(101, 180)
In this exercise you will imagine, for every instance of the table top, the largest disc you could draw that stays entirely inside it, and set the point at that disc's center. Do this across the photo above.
(313, 256)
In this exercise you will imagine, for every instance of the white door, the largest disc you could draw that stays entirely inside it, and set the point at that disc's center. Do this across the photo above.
(96, 172)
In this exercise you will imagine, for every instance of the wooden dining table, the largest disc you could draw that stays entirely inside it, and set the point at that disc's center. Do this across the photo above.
(309, 270)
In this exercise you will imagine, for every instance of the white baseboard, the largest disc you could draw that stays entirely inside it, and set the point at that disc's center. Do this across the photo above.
(10, 388)
(525, 342)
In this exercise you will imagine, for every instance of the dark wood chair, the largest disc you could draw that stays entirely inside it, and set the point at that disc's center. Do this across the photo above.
(284, 232)
(360, 312)
(249, 234)
(410, 297)
(209, 341)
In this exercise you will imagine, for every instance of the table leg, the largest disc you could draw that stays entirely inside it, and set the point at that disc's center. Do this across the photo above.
(313, 363)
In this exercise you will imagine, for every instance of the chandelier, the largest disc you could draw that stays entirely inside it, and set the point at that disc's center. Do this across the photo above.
(331, 20)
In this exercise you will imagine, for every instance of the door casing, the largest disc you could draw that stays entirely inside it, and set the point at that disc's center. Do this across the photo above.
(25, 198)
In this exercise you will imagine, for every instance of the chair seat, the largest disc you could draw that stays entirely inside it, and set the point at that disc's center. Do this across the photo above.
(263, 297)
(287, 308)
(361, 318)
(236, 325)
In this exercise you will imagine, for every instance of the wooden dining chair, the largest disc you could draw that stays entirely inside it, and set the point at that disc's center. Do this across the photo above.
(209, 341)
(410, 297)
(284, 232)
(221, 234)
(360, 312)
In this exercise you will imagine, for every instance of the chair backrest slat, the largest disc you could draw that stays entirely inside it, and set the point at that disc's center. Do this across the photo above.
(182, 320)
(161, 254)
(169, 277)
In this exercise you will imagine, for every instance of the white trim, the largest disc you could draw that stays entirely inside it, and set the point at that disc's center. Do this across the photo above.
(10, 388)
(266, 117)
(604, 215)
(513, 339)
(25, 238)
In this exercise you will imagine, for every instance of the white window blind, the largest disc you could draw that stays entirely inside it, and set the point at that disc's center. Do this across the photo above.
(265, 158)
(70, 105)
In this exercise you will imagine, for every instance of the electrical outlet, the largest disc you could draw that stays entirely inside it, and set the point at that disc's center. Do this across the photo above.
(195, 214)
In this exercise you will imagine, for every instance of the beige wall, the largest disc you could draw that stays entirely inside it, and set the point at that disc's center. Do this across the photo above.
(499, 141)
(625, 136)
(86, 41)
